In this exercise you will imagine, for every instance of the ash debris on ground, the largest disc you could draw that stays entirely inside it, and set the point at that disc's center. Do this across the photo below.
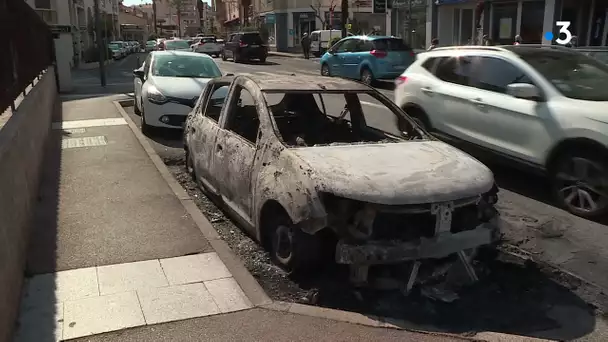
(514, 294)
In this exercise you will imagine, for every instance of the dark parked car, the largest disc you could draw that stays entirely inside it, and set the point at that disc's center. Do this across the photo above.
(245, 46)
(598, 52)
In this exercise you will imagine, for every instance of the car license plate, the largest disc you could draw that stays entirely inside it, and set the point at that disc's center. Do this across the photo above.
(255, 46)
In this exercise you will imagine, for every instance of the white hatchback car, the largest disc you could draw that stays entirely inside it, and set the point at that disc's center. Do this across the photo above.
(168, 85)
(539, 106)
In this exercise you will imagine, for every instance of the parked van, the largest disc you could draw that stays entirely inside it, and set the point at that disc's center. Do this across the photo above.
(319, 40)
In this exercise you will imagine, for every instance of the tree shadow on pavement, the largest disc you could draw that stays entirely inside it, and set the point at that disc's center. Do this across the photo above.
(508, 299)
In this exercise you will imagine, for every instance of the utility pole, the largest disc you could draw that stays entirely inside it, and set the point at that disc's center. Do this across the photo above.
(409, 23)
(154, 16)
(100, 45)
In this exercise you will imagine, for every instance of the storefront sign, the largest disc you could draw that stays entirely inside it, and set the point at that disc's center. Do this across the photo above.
(60, 28)
(379, 6)
(270, 18)
(303, 15)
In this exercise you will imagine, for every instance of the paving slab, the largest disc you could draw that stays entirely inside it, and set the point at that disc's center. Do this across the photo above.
(101, 314)
(174, 303)
(194, 268)
(131, 276)
(105, 205)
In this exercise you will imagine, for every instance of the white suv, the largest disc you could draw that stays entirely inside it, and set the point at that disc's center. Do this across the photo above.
(540, 106)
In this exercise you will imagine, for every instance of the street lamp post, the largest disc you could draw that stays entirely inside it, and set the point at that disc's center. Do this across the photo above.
(100, 44)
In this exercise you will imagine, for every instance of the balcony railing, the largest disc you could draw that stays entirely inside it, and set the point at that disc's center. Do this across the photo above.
(48, 15)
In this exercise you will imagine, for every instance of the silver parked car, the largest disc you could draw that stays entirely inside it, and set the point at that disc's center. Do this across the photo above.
(298, 159)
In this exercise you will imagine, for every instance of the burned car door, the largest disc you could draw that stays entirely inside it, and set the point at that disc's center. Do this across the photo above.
(204, 130)
(235, 151)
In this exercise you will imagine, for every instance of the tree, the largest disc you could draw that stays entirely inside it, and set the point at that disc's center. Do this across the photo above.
(319, 13)
(178, 5)
(344, 15)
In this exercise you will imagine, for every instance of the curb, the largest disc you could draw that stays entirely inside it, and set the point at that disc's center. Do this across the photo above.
(252, 288)
(248, 284)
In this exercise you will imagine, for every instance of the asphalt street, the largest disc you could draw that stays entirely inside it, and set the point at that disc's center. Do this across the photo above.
(524, 202)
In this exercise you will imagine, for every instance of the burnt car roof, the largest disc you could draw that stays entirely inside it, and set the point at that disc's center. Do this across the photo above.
(301, 83)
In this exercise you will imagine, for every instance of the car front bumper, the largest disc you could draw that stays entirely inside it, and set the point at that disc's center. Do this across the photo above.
(376, 252)
(168, 115)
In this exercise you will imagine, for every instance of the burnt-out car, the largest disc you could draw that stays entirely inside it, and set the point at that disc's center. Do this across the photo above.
(301, 160)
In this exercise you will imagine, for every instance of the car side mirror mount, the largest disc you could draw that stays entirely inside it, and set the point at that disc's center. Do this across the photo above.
(139, 74)
(524, 91)
(229, 74)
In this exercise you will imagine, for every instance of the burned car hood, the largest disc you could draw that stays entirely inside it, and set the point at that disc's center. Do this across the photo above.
(412, 172)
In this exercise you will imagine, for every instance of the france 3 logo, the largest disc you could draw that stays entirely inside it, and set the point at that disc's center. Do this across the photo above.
(563, 32)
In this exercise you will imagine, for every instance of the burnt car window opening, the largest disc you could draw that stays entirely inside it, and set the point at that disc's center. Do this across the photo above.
(573, 74)
(243, 116)
(169, 65)
(216, 102)
(317, 119)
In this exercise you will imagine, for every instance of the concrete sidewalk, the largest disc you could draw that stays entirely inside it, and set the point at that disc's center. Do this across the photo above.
(116, 245)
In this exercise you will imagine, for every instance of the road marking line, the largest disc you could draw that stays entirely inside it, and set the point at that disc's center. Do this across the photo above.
(76, 84)
(84, 142)
(81, 96)
(89, 123)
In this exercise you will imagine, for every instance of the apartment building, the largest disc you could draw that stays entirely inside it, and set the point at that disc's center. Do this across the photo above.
(135, 23)
(189, 19)
(74, 18)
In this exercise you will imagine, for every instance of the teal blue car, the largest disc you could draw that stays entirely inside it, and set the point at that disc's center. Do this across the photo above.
(367, 58)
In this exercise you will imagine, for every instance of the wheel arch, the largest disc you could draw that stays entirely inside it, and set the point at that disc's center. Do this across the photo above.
(270, 208)
(572, 144)
(411, 106)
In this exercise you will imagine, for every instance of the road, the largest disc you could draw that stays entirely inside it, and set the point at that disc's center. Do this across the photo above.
(536, 227)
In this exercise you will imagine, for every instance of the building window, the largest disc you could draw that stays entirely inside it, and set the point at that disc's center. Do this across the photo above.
(43, 4)
(504, 21)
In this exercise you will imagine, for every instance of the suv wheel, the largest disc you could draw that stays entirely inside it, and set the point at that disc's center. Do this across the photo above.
(224, 56)
(580, 182)
(325, 70)
(419, 117)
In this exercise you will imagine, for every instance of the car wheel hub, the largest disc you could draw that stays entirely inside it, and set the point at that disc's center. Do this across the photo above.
(583, 185)
(325, 70)
(367, 77)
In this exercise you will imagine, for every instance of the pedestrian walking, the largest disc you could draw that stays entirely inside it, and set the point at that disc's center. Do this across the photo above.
(306, 45)
(434, 44)
(518, 40)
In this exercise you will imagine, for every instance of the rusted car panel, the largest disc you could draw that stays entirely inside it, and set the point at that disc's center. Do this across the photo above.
(386, 202)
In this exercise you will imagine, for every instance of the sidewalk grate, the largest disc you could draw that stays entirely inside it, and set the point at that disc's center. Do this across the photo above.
(84, 142)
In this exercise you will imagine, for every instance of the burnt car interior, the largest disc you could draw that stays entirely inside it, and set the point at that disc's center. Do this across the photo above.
(300, 122)
(244, 120)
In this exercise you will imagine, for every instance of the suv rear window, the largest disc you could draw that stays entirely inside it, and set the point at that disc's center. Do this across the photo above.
(208, 40)
(391, 44)
(251, 38)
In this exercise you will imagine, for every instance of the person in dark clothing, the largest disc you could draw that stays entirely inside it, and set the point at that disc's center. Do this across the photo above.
(306, 45)
(434, 43)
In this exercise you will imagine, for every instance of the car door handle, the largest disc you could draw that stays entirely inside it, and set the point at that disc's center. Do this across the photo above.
(478, 102)
(427, 90)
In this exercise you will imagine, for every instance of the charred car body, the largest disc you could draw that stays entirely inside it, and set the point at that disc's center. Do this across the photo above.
(297, 158)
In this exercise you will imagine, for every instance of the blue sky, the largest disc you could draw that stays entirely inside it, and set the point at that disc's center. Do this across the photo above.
(139, 2)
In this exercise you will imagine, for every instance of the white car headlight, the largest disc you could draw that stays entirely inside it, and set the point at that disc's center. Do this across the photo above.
(155, 96)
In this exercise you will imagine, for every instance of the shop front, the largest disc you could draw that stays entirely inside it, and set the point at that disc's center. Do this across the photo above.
(303, 22)
(410, 18)
(456, 22)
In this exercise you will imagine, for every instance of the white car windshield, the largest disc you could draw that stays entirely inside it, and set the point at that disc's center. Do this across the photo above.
(574, 74)
(171, 65)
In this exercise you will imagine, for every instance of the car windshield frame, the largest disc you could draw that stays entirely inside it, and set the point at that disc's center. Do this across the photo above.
(169, 58)
(572, 73)
(414, 129)
(170, 44)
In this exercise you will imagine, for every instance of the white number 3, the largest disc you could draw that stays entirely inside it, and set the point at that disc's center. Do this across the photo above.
(563, 28)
